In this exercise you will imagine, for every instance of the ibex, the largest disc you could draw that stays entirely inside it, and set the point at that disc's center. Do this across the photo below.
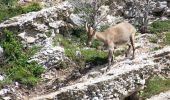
(122, 33)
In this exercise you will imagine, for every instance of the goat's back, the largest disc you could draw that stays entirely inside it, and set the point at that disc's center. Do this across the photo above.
(121, 32)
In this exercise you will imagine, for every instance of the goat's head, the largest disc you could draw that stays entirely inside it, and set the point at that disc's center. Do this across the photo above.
(90, 33)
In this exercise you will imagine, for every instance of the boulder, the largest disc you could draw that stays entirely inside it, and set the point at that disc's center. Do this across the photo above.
(76, 20)
(34, 26)
(49, 56)
(1, 55)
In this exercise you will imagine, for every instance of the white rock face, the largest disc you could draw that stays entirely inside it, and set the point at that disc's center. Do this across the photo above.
(76, 19)
(6, 98)
(1, 52)
(30, 39)
(4, 91)
(49, 56)
(34, 26)
(161, 96)
(57, 24)
(1, 78)
(104, 10)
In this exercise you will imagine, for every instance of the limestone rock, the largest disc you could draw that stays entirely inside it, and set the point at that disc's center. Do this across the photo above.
(1, 77)
(124, 78)
(1, 52)
(30, 40)
(76, 19)
(1, 55)
(32, 27)
(49, 56)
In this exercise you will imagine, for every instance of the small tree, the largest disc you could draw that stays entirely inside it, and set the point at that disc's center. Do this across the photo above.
(89, 10)
(145, 18)
(139, 11)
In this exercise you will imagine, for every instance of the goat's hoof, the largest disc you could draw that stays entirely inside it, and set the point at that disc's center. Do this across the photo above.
(108, 68)
(132, 58)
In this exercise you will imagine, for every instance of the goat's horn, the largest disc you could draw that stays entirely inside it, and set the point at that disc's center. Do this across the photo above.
(87, 27)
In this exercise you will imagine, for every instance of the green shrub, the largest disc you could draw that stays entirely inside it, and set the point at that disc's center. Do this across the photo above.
(153, 39)
(160, 26)
(11, 45)
(156, 48)
(167, 38)
(48, 34)
(92, 56)
(79, 35)
(96, 44)
(8, 2)
(8, 12)
(32, 7)
(17, 68)
(155, 86)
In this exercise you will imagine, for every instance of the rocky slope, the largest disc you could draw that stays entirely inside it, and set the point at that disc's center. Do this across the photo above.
(125, 77)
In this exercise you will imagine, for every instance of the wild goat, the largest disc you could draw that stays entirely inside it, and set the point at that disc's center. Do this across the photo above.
(122, 33)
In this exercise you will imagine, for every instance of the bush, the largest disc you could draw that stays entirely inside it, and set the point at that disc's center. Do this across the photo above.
(8, 2)
(16, 68)
(167, 38)
(154, 86)
(160, 26)
(32, 7)
(93, 57)
(79, 35)
(9, 12)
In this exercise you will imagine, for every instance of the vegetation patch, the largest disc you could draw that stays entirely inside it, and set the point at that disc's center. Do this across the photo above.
(7, 12)
(167, 38)
(160, 26)
(154, 39)
(156, 48)
(74, 49)
(16, 67)
(155, 86)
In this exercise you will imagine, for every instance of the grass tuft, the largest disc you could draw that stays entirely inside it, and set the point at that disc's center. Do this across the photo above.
(8, 12)
(72, 46)
(155, 86)
(160, 26)
(167, 38)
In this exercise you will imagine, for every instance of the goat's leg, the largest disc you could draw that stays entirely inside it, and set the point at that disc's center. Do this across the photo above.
(110, 59)
(132, 44)
(127, 52)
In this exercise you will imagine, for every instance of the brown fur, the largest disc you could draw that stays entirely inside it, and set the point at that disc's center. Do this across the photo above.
(122, 33)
